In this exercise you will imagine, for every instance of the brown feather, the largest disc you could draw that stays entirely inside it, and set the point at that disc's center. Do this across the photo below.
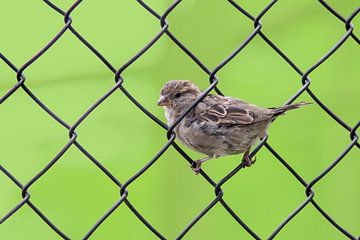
(230, 111)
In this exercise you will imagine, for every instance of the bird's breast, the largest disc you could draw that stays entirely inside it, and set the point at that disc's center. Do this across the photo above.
(169, 115)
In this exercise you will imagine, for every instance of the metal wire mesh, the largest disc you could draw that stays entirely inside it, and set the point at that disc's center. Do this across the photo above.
(164, 31)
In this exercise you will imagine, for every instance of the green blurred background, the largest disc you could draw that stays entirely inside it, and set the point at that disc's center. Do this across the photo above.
(69, 78)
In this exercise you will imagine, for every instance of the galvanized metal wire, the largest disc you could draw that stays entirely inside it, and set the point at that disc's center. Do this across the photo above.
(164, 31)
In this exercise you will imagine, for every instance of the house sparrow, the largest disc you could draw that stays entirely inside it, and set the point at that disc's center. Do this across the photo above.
(217, 125)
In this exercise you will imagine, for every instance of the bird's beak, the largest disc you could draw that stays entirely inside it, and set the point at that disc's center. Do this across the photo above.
(162, 101)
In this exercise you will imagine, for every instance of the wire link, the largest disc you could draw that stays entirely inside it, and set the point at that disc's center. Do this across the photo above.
(170, 134)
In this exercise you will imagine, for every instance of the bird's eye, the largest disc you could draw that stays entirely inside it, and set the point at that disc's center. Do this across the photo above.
(177, 95)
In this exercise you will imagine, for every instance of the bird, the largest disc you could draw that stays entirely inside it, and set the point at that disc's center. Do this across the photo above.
(218, 125)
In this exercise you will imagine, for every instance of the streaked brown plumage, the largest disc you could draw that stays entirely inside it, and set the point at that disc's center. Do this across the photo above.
(218, 125)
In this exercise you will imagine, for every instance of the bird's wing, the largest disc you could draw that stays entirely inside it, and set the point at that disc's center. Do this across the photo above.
(230, 111)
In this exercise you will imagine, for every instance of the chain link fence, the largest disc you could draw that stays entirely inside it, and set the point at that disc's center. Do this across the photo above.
(348, 35)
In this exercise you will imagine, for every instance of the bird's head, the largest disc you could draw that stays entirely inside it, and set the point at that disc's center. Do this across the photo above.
(178, 94)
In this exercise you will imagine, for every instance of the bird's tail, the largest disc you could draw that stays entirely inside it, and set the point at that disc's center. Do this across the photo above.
(281, 110)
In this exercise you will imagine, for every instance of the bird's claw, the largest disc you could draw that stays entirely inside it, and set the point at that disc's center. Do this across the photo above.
(196, 167)
(248, 161)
